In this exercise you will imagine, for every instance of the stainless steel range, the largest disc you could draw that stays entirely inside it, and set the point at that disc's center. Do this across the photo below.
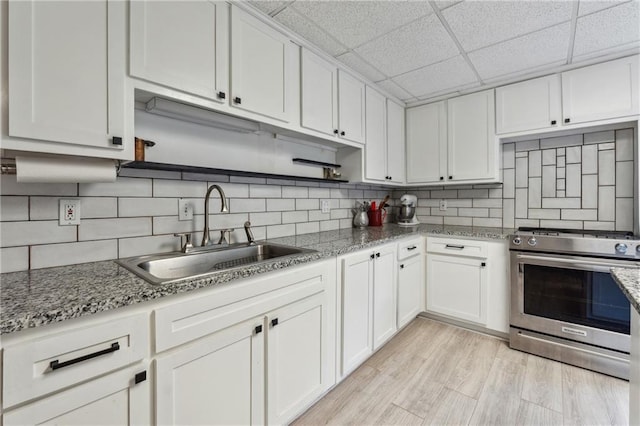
(564, 302)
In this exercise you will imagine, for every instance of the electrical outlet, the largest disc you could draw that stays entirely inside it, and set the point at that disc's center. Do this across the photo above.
(443, 205)
(325, 207)
(69, 212)
(185, 210)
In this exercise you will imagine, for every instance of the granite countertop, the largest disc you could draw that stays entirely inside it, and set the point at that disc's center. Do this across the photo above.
(38, 297)
(629, 281)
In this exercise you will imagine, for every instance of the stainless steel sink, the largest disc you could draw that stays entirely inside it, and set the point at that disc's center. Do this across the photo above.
(171, 267)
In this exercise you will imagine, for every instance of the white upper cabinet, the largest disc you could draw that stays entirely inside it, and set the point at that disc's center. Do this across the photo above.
(67, 78)
(351, 107)
(427, 143)
(529, 105)
(182, 45)
(261, 59)
(319, 94)
(395, 142)
(376, 136)
(472, 150)
(602, 91)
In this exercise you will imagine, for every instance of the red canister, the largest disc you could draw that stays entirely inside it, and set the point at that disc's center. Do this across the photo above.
(376, 217)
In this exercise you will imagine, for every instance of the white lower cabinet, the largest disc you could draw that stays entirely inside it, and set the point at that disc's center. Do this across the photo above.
(411, 279)
(368, 303)
(218, 380)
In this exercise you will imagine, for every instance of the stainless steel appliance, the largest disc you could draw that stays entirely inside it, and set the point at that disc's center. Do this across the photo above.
(407, 210)
(564, 302)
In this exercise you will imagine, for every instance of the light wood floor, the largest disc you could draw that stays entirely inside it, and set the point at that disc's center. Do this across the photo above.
(433, 373)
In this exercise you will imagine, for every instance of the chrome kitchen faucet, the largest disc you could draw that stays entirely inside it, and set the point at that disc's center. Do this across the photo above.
(205, 237)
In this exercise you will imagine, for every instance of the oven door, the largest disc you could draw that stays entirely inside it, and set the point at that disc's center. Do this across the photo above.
(571, 297)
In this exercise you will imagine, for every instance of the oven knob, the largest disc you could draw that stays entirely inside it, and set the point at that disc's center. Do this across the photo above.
(621, 248)
(517, 241)
(532, 241)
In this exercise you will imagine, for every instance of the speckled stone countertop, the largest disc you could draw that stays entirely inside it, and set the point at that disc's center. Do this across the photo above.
(42, 296)
(629, 281)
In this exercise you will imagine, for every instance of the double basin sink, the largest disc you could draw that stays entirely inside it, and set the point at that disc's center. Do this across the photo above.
(172, 267)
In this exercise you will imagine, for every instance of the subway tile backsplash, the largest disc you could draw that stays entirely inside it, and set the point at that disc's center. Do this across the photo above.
(578, 181)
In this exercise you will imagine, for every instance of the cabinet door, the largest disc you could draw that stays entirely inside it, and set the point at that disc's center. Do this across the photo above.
(260, 59)
(456, 287)
(384, 295)
(351, 108)
(530, 105)
(114, 399)
(395, 142)
(472, 146)
(357, 294)
(426, 143)
(411, 278)
(296, 357)
(602, 91)
(183, 45)
(319, 91)
(217, 380)
(376, 136)
(67, 75)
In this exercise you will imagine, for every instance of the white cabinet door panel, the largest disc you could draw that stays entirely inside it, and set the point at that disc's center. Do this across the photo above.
(319, 91)
(376, 136)
(426, 143)
(602, 91)
(351, 108)
(260, 58)
(472, 146)
(183, 45)
(384, 296)
(395, 142)
(530, 105)
(66, 72)
(411, 278)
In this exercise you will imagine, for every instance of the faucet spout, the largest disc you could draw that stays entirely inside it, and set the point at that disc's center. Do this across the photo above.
(205, 237)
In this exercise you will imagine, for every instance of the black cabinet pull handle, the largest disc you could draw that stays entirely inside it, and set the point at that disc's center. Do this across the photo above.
(454, 247)
(342, 133)
(450, 177)
(258, 329)
(116, 140)
(553, 122)
(483, 264)
(377, 254)
(373, 256)
(274, 322)
(237, 100)
(441, 177)
(336, 131)
(222, 95)
(401, 266)
(412, 248)
(140, 377)
(567, 120)
(56, 365)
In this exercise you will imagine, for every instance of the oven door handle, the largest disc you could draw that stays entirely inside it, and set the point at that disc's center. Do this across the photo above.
(593, 264)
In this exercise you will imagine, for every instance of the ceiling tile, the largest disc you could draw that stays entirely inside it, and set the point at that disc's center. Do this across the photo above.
(415, 45)
(356, 22)
(397, 91)
(269, 6)
(520, 54)
(357, 64)
(308, 30)
(436, 78)
(589, 6)
(608, 29)
(478, 24)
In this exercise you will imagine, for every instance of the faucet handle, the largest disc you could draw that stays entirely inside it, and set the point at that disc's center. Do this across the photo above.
(225, 235)
(187, 238)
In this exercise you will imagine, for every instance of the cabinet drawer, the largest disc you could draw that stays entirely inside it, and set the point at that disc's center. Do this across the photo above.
(41, 366)
(410, 248)
(183, 322)
(469, 248)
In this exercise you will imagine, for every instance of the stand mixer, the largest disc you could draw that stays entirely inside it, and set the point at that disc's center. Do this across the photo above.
(407, 210)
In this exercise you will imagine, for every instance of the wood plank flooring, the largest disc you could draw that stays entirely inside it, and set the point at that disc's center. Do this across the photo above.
(437, 374)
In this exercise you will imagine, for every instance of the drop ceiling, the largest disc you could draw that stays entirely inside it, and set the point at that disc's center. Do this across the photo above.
(423, 50)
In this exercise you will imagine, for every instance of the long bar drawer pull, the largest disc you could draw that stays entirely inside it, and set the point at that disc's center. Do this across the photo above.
(454, 246)
(412, 248)
(55, 364)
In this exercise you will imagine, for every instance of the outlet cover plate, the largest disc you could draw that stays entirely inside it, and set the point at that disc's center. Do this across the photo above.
(325, 206)
(69, 211)
(443, 205)
(185, 210)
